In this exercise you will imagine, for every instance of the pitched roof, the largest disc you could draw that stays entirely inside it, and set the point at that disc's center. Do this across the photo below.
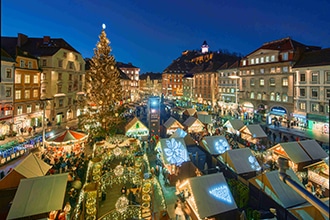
(6, 57)
(172, 121)
(126, 65)
(152, 76)
(215, 145)
(314, 58)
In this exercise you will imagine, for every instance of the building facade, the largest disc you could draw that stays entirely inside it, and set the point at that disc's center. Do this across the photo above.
(133, 73)
(150, 84)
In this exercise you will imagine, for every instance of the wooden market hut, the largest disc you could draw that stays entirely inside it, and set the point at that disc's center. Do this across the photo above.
(170, 126)
(135, 128)
(188, 113)
(253, 133)
(308, 211)
(215, 145)
(193, 125)
(233, 125)
(299, 154)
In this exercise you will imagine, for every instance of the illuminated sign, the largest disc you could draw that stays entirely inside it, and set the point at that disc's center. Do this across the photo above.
(175, 152)
(221, 193)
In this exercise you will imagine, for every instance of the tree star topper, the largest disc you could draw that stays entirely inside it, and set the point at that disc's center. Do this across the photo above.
(103, 26)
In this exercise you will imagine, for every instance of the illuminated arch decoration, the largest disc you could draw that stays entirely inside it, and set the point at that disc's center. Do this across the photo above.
(221, 193)
(175, 151)
(221, 146)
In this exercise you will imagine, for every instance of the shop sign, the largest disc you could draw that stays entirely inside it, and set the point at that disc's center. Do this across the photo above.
(278, 110)
(299, 116)
(3, 160)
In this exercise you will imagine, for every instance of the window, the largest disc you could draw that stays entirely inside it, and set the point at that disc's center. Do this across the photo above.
(252, 95)
(64, 54)
(18, 94)
(278, 97)
(261, 82)
(70, 76)
(285, 98)
(302, 92)
(285, 56)
(244, 83)
(60, 102)
(327, 93)
(44, 62)
(30, 65)
(302, 77)
(252, 61)
(262, 59)
(285, 82)
(302, 106)
(285, 69)
(8, 91)
(70, 65)
(22, 64)
(272, 81)
(59, 88)
(60, 63)
(315, 77)
(315, 107)
(27, 94)
(59, 76)
(262, 70)
(19, 110)
(35, 79)
(76, 57)
(314, 92)
(272, 58)
(252, 82)
(259, 96)
(35, 93)
(327, 77)
(257, 60)
(267, 59)
(272, 70)
(28, 108)
(8, 73)
(37, 107)
(27, 79)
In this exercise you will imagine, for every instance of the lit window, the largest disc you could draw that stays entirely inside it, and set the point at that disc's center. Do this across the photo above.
(252, 83)
(285, 56)
(302, 106)
(272, 58)
(315, 107)
(28, 109)
(267, 59)
(27, 78)
(285, 98)
(259, 96)
(252, 61)
(262, 70)
(272, 96)
(314, 92)
(252, 72)
(35, 79)
(35, 93)
(27, 94)
(272, 70)
(257, 60)
(262, 59)
(272, 81)
(278, 97)
(252, 95)
(285, 82)
(261, 82)
(18, 94)
(37, 107)
(19, 110)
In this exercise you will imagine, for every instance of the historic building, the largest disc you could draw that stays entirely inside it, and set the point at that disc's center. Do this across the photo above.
(132, 93)
(150, 84)
(312, 90)
(267, 81)
(6, 92)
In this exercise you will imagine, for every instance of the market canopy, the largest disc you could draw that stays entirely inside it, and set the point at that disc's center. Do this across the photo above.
(67, 137)
(215, 145)
(210, 195)
(274, 187)
(30, 166)
(193, 124)
(233, 125)
(241, 160)
(39, 195)
(135, 128)
(173, 150)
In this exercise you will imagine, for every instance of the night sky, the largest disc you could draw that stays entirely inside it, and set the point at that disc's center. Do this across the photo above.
(152, 33)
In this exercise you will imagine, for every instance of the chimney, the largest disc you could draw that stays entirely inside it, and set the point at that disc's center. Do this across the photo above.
(46, 39)
(21, 39)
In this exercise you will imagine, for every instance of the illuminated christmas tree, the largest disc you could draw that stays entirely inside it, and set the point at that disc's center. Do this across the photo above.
(103, 90)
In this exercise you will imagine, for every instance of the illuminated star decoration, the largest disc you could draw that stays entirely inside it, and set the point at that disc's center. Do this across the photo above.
(221, 192)
(254, 163)
(175, 152)
(221, 146)
(103, 26)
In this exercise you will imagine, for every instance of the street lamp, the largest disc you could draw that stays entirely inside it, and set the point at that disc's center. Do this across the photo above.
(44, 104)
(236, 84)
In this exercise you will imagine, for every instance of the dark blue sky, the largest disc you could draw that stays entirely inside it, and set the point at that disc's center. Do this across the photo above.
(150, 33)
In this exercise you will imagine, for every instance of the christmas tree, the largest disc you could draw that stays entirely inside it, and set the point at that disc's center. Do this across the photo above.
(103, 91)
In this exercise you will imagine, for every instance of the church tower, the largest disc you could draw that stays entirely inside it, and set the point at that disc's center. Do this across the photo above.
(205, 47)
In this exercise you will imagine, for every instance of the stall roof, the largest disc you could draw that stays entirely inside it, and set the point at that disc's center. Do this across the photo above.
(171, 122)
(38, 195)
(255, 130)
(302, 151)
(192, 120)
(67, 136)
(210, 195)
(205, 119)
(241, 160)
(236, 124)
(215, 145)
(308, 211)
(30, 166)
(190, 111)
(189, 141)
(279, 191)
(173, 150)
(133, 124)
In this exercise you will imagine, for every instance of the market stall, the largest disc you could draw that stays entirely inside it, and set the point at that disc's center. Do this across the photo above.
(233, 126)
(170, 126)
(253, 133)
(189, 141)
(135, 128)
(241, 161)
(299, 154)
(67, 141)
(209, 197)
(30, 167)
(46, 193)
(308, 211)
(193, 125)
(215, 145)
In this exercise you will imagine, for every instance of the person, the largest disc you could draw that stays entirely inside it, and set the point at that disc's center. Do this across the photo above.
(67, 210)
(178, 210)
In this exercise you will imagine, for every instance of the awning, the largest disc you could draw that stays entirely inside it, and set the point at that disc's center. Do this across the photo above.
(39, 195)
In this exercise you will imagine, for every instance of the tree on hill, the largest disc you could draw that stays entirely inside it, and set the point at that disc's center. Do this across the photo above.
(103, 93)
